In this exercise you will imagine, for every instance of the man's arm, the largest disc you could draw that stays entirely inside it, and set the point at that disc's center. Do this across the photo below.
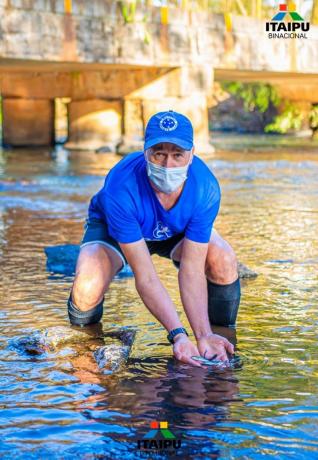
(123, 226)
(148, 285)
(155, 296)
(193, 286)
(193, 291)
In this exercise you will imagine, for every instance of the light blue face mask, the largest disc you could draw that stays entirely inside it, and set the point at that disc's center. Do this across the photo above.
(167, 180)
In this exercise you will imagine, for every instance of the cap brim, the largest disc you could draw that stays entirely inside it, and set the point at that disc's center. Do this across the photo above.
(172, 140)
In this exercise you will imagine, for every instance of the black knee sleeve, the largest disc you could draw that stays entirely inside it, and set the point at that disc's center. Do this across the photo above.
(223, 303)
(84, 318)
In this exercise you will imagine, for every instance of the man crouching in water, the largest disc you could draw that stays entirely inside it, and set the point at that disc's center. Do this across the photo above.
(161, 201)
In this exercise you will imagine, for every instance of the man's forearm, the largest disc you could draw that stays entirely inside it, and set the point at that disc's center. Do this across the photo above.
(158, 302)
(193, 291)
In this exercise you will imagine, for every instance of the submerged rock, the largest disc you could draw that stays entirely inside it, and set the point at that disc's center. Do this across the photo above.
(39, 342)
(108, 357)
(59, 335)
(245, 272)
(126, 336)
(30, 345)
(111, 357)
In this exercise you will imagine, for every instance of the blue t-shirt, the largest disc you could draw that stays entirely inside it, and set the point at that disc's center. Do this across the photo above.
(131, 210)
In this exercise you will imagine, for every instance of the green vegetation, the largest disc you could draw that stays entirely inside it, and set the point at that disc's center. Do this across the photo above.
(255, 8)
(128, 10)
(289, 119)
(261, 9)
(263, 100)
(313, 117)
(256, 96)
(313, 121)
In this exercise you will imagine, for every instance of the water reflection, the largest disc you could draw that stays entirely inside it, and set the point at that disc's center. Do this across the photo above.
(59, 405)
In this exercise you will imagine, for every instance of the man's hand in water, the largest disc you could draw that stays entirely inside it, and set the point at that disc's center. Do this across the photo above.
(184, 349)
(214, 346)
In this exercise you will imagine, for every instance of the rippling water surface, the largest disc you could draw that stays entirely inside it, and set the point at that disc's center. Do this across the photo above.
(58, 406)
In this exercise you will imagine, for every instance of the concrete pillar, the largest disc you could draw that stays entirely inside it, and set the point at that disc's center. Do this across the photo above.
(187, 89)
(133, 126)
(94, 124)
(27, 122)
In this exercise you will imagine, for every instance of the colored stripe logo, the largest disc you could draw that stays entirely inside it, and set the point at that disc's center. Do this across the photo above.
(159, 427)
(285, 11)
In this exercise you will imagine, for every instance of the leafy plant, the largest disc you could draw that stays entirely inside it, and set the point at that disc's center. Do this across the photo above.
(128, 10)
(260, 98)
(290, 118)
(255, 96)
(313, 117)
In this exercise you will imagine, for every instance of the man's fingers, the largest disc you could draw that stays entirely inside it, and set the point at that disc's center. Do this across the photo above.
(229, 347)
(195, 363)
(223, 357)
(191, 361)
(207, 354)
(187, 360)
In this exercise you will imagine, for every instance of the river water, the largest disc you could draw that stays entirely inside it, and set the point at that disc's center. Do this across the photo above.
(57, 406)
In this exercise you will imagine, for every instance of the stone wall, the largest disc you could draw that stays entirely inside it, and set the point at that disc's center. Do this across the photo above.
(95, 32)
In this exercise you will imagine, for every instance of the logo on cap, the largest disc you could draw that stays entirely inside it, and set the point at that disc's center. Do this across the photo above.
(168, 123)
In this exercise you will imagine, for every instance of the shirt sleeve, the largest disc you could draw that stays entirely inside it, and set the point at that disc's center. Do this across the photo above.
(120, 217)
(201, 223)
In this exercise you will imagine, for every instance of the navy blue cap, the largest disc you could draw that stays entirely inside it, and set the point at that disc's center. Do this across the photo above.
(169, 127)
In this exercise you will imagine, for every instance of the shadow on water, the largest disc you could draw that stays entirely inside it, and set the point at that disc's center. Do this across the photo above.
(58, 404)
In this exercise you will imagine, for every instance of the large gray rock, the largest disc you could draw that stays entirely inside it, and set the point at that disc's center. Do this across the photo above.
(109, 357)
(41, 341)
(62, 259)
(51, 338)
(245, 272)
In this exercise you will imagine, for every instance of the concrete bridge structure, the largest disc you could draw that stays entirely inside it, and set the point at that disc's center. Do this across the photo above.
(117, 73)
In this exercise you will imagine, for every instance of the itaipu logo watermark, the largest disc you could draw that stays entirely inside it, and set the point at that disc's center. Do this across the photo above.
(287, 23)
(159, 439)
